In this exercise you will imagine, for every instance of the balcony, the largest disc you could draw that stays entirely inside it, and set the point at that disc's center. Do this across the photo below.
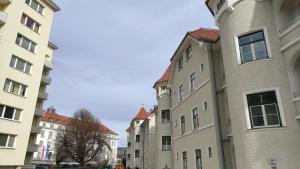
(38, 112)
(4, 2)
(48, 64)
(43, 96)
(32, 148)
(36, 129)
(46, 80)
(3, 18)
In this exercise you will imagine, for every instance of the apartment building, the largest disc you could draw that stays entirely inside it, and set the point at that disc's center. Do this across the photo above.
(53, 123)
(135, 155)
(25, 62)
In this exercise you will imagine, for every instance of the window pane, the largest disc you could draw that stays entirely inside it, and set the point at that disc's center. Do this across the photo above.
(3, 139)
(32, 47)
(254, 99)
(13, 61)
(23, 90)
(17, 114)
(20, 65)
(9, 113)
(27, 2)
(29, 23)
(260, 50)
(19, 39)
(25, 43)
(34, 5)
(11, 141)
(15, 88)
(257, 36)
(246, 53)
(6, 86)
(1, 110)
(244, 40)
(272, 114)
(257, 116)
(41, 9)
(28, 68)
(269, 97)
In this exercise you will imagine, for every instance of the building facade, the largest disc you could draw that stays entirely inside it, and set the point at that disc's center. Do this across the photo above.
(25, 62)
(52, 124)
(232, 95)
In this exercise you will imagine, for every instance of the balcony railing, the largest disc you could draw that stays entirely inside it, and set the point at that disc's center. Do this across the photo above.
(39, 112)
(46, 79)
(36, 129)
(3, 18)
(43, 96)
(48, 64)
(32, 148)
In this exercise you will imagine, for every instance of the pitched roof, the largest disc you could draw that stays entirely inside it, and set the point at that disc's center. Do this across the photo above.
(129, 128)
(60, 119)
(206, 34)
(164, 77)
(142, 114)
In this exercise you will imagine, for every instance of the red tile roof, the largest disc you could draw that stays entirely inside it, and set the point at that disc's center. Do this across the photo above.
(206, 34)
(142, 114)
(60, 119)
(164, 77)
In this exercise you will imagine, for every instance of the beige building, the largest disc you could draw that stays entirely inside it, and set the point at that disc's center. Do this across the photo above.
(25, 62)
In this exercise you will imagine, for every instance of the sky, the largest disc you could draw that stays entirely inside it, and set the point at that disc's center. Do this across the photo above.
(111, 53)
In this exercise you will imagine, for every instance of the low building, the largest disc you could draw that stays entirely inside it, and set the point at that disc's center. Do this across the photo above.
(52, 123)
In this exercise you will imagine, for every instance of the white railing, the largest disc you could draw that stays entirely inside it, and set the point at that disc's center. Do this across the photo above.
(3, 17)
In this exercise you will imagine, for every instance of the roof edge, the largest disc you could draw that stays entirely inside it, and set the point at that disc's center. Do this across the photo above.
(53, 5)
(52, 45)
(211, 11)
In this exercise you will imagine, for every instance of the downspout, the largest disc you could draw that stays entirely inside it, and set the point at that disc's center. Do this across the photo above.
(220, 139)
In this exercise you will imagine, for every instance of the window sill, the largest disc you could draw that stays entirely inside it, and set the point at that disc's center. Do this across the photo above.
(10, 120)
(267, 128)
(8, 148)
(21, 71)
(254, 61)
(166, 150)
(15, 94)
(31, 29)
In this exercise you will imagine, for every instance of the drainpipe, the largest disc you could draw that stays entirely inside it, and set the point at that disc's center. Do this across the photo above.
(217, 114)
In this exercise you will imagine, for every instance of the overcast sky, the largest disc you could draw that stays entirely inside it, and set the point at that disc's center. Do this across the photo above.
(111, 53)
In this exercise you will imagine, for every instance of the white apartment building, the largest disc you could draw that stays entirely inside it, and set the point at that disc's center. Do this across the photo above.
(53, 123)
(25, 62)
(233, 93)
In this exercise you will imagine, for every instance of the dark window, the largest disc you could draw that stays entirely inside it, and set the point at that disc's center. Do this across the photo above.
(198, 159)
(220, 4)
(35, 5)
(166, 143)
(184, 160)
(137, 138)
(180, 63)
(165, 116)
(253, 47)
(9, 113)
(195, 118)
(264, 110)
(182, 126)
(137, 154)
(188, 53)
(209, 153)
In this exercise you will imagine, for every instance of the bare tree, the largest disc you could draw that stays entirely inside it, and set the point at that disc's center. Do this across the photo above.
(82, 139)
(60, 154)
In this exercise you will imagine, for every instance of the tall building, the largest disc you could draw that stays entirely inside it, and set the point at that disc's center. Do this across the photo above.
(52, 124)
(25, 61)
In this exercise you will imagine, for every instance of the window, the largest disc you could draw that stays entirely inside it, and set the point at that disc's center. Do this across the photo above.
(35, 5)
(137, 153)
(263, 109)
(50, 135)
(193, 81)
(184, 160)
(20, 64)
(41, 143)
(30, 23)
(48, 144)
(15, 87)
(201, 67)
(137, 138)
(188, 53)
(137, 122)
(209, 152)
(220, 4)
(182, 126)
(165, 116)
(51, 126)
(166, 143)
(180, 92)
(129, 144)
(252, 47)
(128, 156)
(205, 106)
(198, 159)
(25, 43)
(42, 133)
(195, 118)
(11, 113)
(7, 141)
(180, 63)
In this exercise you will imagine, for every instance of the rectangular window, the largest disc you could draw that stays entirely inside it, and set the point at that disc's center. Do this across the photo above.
(193, 81)
(137, 138)
(264, 110)
(253, 47)
(182, 126)
(7, 141)
(129, 144)
(195, 118)
(166, 143)
(188, 53)
(209, 152)
(11, 113)
(35, 5)
(180, 92)
(198, 159)
(42, 133)
(165, 116)
(137, 153)
(50, 135)
(15, 88)
(25, 43)
(180, 63)
(184, 160)
(30, 23)
(205, 106)
(128, 156)
(20, 64)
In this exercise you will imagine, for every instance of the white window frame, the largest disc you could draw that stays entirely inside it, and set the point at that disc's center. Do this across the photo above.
(19, 92)
(208, 155)
(39, 5)
(180, 95)
(26, 63)
(34, 23)
(279, 102)
(8, 138)
(193, 128)
(195, 157)
(166, 147)
(267, 42)
(13, 118)
(192, 86)
(161, 114)
(30, 43)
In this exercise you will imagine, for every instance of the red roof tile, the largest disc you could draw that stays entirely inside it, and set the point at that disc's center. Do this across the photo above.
(206, 34)
(164, 77)
(142, 114)
(60, 119)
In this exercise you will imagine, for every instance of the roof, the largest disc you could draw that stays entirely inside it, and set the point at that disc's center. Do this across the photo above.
(52, 5)
(52, 45)
(206, 2)
(142, 114)
(164, 77)
(206, 34)
(60, 119)
(129, 128)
